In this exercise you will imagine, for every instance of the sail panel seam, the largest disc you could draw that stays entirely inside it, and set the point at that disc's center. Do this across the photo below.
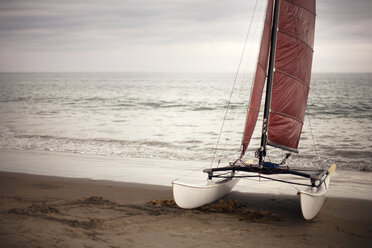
(293, 77)
(286, 115)
(294, 37)
(289, 1)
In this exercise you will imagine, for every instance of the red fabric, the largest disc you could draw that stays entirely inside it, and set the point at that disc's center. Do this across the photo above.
(296, 21)
(305, 4)
(293, 60)
(259, 79)
(290, 96)
(285, 132)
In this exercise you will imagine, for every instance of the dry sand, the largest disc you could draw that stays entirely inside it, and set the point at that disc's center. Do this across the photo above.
(44, 211)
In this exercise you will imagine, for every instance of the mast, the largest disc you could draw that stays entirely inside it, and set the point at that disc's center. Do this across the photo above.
(262, 150)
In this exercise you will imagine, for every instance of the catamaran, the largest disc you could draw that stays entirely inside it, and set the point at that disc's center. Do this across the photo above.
(284, 64)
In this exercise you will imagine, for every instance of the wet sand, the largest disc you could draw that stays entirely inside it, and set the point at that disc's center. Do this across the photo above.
(45, 211)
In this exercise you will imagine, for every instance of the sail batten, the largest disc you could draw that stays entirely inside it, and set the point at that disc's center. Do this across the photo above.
(306, 5)
(282, 147)
(292, 36)
(291, 76)
(288, 116)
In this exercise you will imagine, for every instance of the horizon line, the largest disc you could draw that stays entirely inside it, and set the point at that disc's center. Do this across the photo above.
(145, 71)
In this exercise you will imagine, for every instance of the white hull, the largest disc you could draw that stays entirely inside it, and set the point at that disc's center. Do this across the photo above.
(194, 196)
(312, 199)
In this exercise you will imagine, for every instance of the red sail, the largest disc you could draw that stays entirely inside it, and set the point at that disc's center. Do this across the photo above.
(259, 79)
(293, 59)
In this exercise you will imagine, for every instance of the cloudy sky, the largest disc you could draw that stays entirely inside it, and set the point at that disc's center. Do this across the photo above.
(165, 35)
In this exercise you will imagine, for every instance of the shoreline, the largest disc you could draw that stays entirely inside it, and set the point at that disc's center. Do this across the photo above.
(344, 184)
(47, 211)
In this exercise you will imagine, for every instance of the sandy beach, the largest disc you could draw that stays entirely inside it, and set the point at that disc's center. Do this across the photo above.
(46, 211)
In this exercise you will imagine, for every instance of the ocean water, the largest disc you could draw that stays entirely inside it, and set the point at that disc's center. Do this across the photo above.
(177, 116)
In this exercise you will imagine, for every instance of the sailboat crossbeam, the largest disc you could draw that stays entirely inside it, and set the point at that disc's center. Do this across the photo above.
(316, 176)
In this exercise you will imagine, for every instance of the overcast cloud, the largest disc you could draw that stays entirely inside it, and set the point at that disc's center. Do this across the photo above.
(166, 35)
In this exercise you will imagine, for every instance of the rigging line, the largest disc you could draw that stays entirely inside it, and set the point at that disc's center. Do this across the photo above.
(235, 115)
(249, 76)
(236, 76)
(188, 174)
(313, 138)
(295, 20)
(232, 117)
